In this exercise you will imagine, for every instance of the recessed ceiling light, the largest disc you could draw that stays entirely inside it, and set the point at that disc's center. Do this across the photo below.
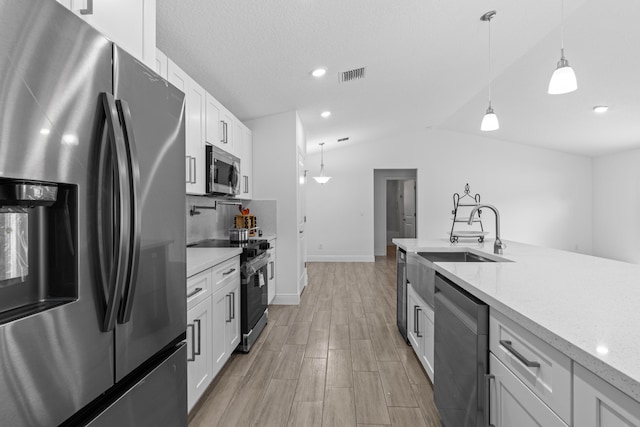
(600, 109)
(325, 114)
(601, 349)
(45, 131)
(319, 72)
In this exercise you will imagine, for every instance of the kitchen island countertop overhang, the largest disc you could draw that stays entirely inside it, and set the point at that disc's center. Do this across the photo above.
(584, 306)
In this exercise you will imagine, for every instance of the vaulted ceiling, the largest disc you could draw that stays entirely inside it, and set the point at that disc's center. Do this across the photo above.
(426, 66)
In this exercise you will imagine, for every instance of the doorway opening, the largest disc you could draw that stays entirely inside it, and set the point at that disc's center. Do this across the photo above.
(395, 208)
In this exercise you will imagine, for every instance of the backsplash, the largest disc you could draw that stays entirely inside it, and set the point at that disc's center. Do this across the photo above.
(215, 224)
(210, 224)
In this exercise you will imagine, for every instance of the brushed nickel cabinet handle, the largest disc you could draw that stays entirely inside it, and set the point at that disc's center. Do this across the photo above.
(526, 362)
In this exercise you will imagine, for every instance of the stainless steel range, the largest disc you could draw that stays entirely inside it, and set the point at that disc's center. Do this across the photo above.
(254, 302)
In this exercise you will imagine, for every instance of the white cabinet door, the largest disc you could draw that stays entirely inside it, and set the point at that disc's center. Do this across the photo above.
(214, 131)
(161, 64)
(227, 135)
(221, 316)
(194, 127)
(514, 404)
(596, 403)
(232, 327)
(244, 137)
(199, 373)
(131, 24)
(271, 290)
(426, 328)
(413, 319)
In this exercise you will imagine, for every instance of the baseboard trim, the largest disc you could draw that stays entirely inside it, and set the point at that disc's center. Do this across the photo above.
(286, 299)
(341, 258)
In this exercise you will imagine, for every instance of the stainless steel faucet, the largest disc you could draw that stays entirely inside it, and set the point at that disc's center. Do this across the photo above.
(498, 246)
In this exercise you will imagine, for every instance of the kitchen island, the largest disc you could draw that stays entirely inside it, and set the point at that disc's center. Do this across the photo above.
(585, 307)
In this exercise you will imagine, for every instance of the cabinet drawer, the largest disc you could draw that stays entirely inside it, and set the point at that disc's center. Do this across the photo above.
(514, 404)
(198, 288)
(223, 271)
(549, 373)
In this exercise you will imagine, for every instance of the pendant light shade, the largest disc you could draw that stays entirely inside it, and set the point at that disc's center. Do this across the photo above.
(322, 179)
(563, 80)
(490, 120)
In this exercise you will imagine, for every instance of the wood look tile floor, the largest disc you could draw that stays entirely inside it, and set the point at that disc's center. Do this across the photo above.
(336, 359)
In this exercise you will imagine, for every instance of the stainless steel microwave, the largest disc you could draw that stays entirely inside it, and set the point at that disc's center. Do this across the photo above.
(223, 172)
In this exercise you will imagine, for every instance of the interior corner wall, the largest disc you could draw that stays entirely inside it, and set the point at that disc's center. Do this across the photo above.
(544, 196)
(616, 206)
(275, 178)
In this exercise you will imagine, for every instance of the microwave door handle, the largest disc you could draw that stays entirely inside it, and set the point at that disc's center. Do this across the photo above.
(135, 225)
(118, 261)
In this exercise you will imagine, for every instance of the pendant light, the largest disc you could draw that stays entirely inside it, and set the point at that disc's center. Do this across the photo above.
(490, 120)
(563, 80)
(322, 179)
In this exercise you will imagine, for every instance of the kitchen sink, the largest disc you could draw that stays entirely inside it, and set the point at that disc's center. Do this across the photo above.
(454, 257)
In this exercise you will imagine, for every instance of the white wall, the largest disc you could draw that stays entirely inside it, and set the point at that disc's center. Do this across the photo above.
(544, 196)
(616, 206)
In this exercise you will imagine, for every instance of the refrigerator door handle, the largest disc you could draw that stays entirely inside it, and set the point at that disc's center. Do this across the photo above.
(135, 224)
(117, 269)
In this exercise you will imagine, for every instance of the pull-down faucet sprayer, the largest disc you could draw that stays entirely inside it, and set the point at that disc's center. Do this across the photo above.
(498, 246)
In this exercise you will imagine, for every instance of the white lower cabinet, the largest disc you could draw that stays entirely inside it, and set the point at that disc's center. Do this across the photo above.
(596, 403)
(514, 404)
(420, 330)
(199, 357)
(213, 328)
(271, 290)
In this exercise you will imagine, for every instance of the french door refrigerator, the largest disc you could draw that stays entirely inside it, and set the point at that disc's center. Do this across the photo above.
(92, 228)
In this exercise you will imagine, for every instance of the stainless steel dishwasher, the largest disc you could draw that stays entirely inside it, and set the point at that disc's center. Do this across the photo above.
(461, 355)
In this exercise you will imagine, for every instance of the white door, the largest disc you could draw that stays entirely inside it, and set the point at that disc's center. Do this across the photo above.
(302, 219)
(409, 216)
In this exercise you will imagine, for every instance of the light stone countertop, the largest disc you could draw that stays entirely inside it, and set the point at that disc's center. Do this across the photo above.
(586, 307)
(200, 259)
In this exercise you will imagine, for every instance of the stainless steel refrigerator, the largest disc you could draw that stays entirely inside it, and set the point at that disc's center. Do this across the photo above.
(92, 228)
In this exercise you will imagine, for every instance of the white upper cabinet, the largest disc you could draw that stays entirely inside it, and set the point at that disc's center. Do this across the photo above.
(214, 133)
(195, 97)
(131, 24)
(244, 136)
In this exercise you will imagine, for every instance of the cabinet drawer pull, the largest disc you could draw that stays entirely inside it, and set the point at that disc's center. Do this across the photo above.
(195, 173)
(228, 320)
(233, 305)
(508, 345)
(197, 353)
(193, 343)
(231, 270)
(272, 263)
(415, 319)
(418, 310)
(195, 292)
(487, 400)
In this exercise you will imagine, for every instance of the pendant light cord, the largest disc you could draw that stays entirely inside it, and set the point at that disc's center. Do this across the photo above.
(490, 62)
(562, 28)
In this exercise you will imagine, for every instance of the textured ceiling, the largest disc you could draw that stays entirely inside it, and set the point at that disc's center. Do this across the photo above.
(427, 65)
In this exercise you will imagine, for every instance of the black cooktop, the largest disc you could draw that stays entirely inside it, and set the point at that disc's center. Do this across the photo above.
(250, 249)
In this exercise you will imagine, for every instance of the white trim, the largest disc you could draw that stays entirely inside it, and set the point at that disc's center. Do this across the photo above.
(340, 258)
(286, 299)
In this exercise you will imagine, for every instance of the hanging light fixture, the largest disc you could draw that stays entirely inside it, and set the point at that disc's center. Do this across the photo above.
(490, 120)
(563, 80)
(322, 179)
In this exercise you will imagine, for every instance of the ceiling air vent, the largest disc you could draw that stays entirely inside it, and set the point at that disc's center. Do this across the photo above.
(343, 139)
(355, 74)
